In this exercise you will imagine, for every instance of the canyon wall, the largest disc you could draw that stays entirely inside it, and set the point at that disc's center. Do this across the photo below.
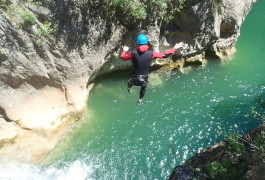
(51, 51)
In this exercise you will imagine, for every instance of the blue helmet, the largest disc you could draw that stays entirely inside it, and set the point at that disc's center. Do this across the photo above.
(142, 39)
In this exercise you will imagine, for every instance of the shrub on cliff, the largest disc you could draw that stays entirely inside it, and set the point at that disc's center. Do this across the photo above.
(163, 9)
(244, 155)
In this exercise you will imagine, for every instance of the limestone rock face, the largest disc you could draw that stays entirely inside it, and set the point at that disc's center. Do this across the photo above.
(207, 26)
(49, 52)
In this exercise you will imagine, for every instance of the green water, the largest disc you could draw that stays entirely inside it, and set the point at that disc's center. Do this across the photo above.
(180, 115)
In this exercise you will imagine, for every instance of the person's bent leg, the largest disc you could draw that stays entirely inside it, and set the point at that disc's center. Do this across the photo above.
(129, 85)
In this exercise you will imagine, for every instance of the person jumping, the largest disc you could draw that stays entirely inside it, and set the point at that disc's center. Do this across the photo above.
(141, 60)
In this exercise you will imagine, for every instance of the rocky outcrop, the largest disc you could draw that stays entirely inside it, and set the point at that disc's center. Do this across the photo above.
(241, 158)
(51, 50)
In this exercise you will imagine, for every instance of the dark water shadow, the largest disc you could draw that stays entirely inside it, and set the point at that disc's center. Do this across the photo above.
(238, 114)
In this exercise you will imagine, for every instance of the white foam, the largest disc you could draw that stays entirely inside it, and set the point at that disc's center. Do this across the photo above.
(75, 171)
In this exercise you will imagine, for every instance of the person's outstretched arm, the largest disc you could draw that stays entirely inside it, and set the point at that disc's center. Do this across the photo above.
(124, 55)
(167, 53)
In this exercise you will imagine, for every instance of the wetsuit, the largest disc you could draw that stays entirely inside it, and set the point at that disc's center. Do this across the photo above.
(141, 60)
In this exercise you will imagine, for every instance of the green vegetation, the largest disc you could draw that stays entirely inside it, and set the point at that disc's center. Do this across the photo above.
(234, 145)
(43, 31)
(19, 13)
(216, 6)
(259, 144)
(27, 17)
(22, 16)
(240, 152)
(3, 3)
(233, 164)
(226, 169)
(135, 8)
(257, 115)
(215, 168)
(162, 9)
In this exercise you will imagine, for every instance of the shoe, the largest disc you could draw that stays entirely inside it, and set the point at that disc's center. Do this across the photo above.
(139, 102)
(129, 90)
